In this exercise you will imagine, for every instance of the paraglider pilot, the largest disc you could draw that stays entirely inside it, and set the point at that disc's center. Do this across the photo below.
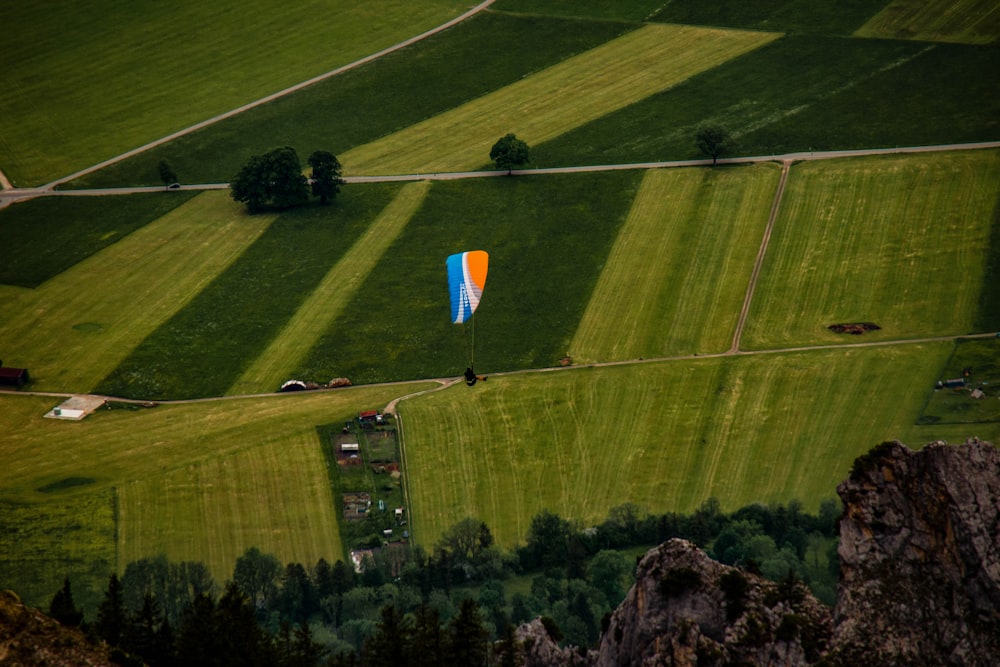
(471, 377)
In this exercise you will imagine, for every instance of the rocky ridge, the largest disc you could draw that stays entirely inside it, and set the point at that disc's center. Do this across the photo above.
(920, 582)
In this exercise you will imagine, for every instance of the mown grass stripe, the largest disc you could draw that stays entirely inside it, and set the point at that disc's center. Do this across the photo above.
(556, 100)
(289, 347)
(679, 267)
(78, 326)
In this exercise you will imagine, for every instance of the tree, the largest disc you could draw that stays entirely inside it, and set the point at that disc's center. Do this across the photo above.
(467, 637)
(63, 609)
(111, 617)
(326, 180)
(509, 152)
(274, 179)
(167, 174)
(256, 574)
(713, 140)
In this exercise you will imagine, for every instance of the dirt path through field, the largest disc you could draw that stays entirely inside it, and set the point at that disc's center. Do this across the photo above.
(755, 274)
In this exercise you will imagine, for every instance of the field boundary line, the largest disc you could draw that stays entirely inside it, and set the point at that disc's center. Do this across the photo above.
(272, 97)
(759, 261)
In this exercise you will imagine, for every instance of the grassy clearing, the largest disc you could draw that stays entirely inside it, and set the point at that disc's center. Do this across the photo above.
(201, 481)
(768, 428)
(381, 97)
(786, 15)
(43, 237)
(678, 271)
(331, 296)
(800, 93)
(970, 21)
(545, 105)
(898, 241)
(67, 65)
(78, 326)
(233, 319)
(43, 543)
(548, 238)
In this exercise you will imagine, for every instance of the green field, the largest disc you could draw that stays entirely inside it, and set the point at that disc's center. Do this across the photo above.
(678, 272)
(899, 242)
(374, 100)
(802, 93)
(78, 326)
(200, 481)
(67, 68)
(664, 435)
(971, 21)
(164, 296)
(545, 105)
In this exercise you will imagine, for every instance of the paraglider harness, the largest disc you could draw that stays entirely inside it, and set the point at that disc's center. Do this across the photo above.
(471, 377)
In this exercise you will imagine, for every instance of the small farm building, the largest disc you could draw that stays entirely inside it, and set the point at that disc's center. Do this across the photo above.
(13, 377)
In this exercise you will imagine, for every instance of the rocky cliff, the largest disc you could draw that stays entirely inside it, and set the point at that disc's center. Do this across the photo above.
(29, 638)
(920, 582)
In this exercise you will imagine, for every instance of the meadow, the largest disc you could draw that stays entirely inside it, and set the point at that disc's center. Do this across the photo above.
(196, 481)
(663, 435)
(897, 242)
(969, 21)
(169, 295)
(66, 67)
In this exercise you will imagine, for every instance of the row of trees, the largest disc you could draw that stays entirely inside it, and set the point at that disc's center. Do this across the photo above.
(570, 575)
(275, 180)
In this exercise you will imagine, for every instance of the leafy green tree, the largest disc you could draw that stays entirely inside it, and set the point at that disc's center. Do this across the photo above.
(510, 152)
(297, 600)
(256, 574)
(713, 140)
(167, 174)
(326, 176)
(607, 571)
(273, 180)
(547, 543)
(63, 609)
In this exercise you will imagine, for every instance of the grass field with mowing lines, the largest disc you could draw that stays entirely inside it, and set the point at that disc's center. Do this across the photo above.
(548, 237)
(257, 462)
(371, 101)
(544, 105)
(331, 296)
(677, 274)
(43, 237)
(970, 21)
(77, 327)
(898, 241)
(275, 496)
(762, 428)
(236, 316)
(85, 82)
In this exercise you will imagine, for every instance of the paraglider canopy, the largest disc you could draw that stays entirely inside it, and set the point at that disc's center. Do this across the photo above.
(466, 280)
